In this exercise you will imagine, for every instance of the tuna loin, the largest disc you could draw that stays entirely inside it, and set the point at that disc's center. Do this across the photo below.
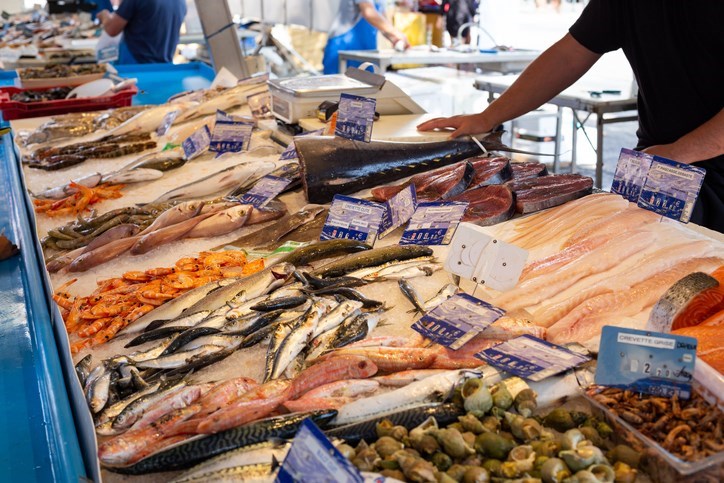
(441, 183)
(528, 169)
(537, 194)
(488, 205)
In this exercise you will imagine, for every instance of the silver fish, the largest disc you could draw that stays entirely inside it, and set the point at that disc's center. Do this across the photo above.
(372, 273)
(102, 254)
(98, 391)
(179, 359)
(298, 338)
(152, 353)
(226, 341)
(83, 369)
(222, 222)
(174, 308)
(261, 453)
(236, 96)
(145, 121)
(66, 190)
(412, 394)
(152, 240)
(324, 342)
(104, 425)
(445, 293)
(219, 181)
(411, 294)
(355, 328)
(137, 175)
(133, 411)
(338, 314)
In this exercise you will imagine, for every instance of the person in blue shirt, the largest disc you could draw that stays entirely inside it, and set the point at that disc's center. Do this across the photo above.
(150, 29)
(100, 5)
(355, 28)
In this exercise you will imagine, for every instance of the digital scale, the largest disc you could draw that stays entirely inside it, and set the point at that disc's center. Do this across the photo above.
(298, 98)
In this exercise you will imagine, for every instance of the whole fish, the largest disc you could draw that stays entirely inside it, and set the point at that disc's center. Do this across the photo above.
(176, 214)
(261, 453)
(411, 395)
(174, 308)
(334, 165)
(411, 294)
(351, 294)
(319, 283)
(403, 378)
(98, 390)
(289, 171)
(135, 409)
(159, 237)
(83, 369)
(175, 400)
(235, 96)
(321, 250)
(102, 254)
(179, 359)
(222, 222)
(445, 293)
(396, 270)
(118, 232)
(277, 230)
(161, 161)
(444, 413)
(298, 337)
(104, 423)
(137, 175)
(374, 257)
(336, 316)
(354, 329)
(66, 190)
(146, 121)
(187, 336)
(344, 388)
(219, 181)
(272, 211)
(168, 330)
(194, 451)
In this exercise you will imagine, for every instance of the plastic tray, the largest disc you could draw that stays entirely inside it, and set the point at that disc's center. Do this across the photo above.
(21, 110)
(73, 81)
(661, 465)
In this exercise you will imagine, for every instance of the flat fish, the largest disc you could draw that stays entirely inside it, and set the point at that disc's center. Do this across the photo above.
(333, 165)
(487, 205)
(535, 194)
(686, 303)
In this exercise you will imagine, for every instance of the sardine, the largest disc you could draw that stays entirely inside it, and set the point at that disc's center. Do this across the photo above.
(354, 329)
(298, 338)
(261, 453)
(194, 451)
(445, 293)
(98, 391)
(133, 411)
(104, 425)
(411, 395)
(444, 414)
(251, 324)
(219, 181)
(178, 359)
(187, 336)
(279, 303)
(333, 319)
(83, 369)
(411, 294)
(334, 165)
(375, 257)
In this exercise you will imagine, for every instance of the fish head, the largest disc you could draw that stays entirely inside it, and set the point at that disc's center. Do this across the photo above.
(282, 271)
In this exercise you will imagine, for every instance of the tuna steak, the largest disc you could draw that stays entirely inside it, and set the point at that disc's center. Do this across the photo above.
(334, 165)
(537, 194)
(496, 170)
(529, 169)
(441, 183)
(488, 205)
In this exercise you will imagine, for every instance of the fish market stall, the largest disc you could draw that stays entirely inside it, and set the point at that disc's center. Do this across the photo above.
(214, 295)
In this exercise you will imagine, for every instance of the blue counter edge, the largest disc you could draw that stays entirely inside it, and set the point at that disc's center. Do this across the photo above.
(65, 454)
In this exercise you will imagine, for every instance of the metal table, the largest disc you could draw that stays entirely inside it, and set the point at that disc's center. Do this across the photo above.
(577, 98)
(494, 61)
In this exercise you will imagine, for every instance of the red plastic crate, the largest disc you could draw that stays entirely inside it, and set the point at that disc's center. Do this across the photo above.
(22, 110)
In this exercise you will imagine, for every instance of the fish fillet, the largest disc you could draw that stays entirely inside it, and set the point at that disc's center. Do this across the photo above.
(557, 260)
(709, 346)
(586, 320)
(535, 290)
(658, 261)
(633, 216)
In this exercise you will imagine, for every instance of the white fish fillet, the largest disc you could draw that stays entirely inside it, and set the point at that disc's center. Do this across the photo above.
(534, 290)
(587, 319)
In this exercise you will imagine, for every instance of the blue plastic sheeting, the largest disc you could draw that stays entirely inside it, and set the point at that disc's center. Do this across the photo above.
(158, 82)
(38, 440)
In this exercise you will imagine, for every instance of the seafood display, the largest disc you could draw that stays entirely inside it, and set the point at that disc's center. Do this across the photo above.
(205, 329)
(61, 70)
(53, 94)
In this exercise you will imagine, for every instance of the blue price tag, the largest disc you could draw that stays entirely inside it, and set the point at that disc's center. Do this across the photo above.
(631, 172)
(230, 137)
(353, 219)
(291, 151)
(457, 320)
(312, 457)
(398, 210)
(197, 143)
(650, 362)
(167, 122)
(355, 117)
(107, 54)
(433, 223)
(531, 358)
(265, 190)
(671, 189)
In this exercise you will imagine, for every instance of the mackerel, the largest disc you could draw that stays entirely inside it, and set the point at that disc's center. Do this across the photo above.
(374, 257)
(373, 272)
(179, 359)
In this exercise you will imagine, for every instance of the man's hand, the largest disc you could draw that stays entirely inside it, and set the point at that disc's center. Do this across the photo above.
(399, 40)
(462, 125)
